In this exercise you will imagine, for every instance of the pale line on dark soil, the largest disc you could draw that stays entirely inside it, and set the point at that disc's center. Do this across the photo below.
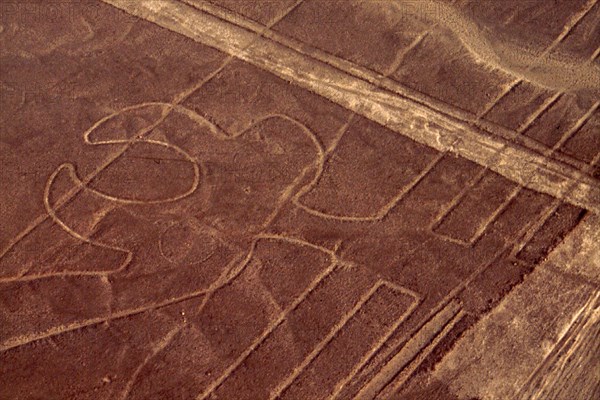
(405, 117)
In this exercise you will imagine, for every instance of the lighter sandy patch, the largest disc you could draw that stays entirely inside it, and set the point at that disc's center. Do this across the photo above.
(551, 70)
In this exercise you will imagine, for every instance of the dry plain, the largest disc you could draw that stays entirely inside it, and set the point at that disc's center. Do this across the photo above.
(300, 199)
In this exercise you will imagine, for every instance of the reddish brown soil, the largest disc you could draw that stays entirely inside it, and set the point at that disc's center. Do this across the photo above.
(244, 237)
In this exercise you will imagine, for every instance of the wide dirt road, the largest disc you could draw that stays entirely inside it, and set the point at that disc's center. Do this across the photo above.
(299, 199)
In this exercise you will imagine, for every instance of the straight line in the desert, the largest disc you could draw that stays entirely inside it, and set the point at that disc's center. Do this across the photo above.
(403, 116)
(382, 80)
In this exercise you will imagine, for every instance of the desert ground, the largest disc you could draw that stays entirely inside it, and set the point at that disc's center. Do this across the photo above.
(300, 199)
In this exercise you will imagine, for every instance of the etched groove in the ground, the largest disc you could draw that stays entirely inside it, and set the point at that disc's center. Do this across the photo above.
(555, 73)
(413, 120)
(407, 373)
(488, 218)
(560, 373)
(383, 81)
(414, 347)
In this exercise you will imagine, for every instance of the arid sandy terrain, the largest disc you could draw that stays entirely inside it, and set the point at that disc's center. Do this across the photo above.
(300, 199)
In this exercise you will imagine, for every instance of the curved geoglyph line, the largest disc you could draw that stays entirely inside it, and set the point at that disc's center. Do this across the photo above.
(335, 262)
(123, 200)
(166, 108)
(384, 210)
(209, 236)
(81, 185)
(343, 88)
(56, 219)
(84, 185)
